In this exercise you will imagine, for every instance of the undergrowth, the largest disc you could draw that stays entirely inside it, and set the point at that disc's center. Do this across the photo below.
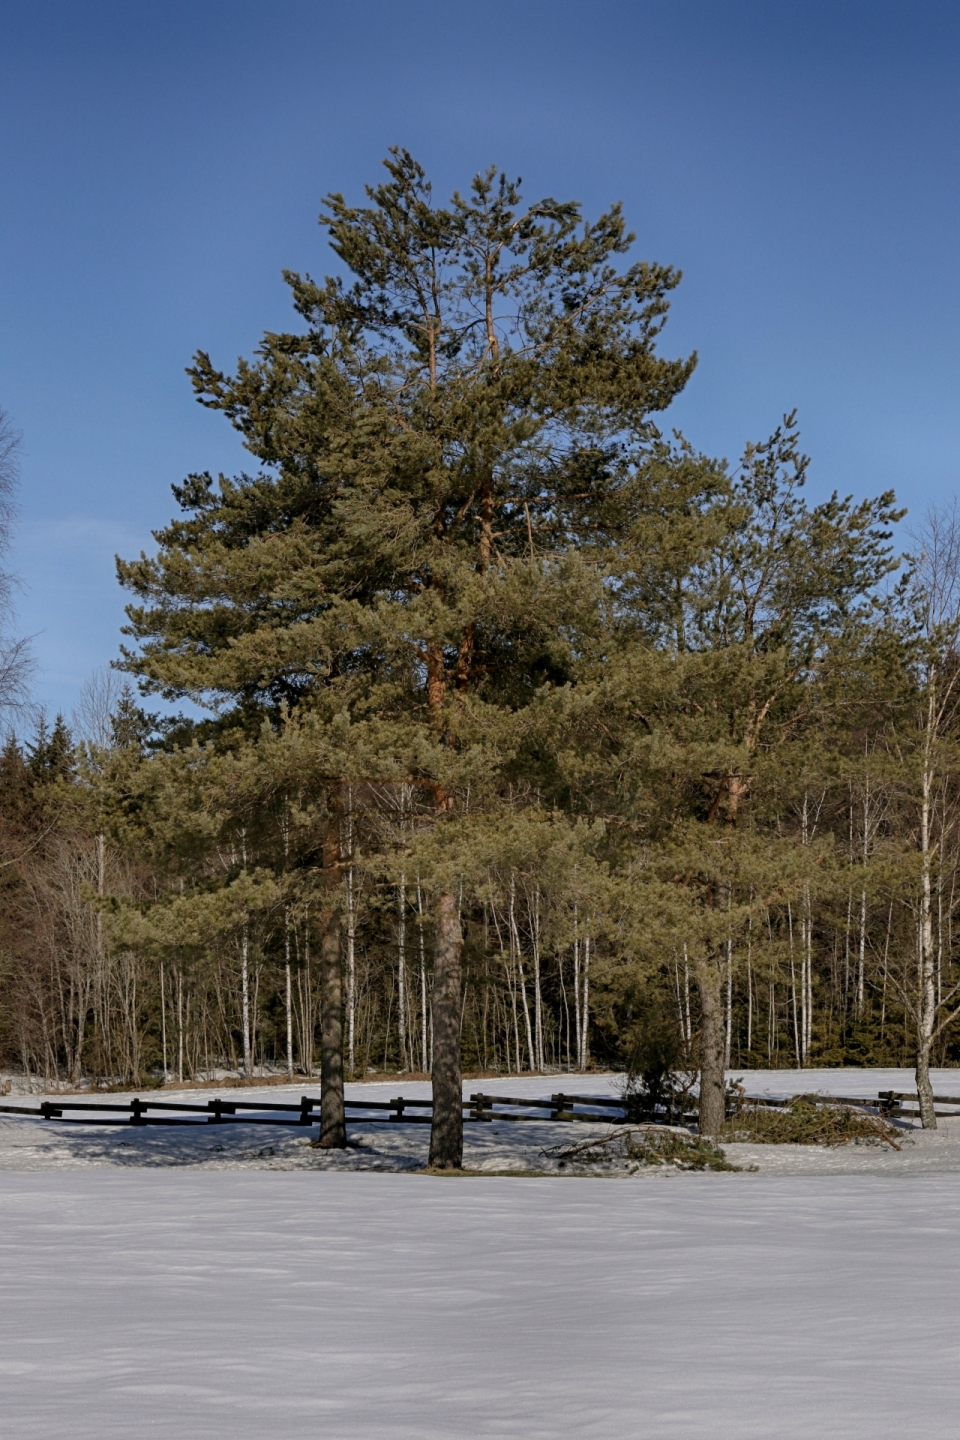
(693, 1152)
(653, 1146)
(808, 1120)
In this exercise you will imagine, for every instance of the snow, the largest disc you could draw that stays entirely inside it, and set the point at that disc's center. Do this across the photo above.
(190, 1283)
(228, 1306)
(850, 1082)
(29, 1145)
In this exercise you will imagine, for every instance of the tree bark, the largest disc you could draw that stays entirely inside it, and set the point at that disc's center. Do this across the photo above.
(288, 997)
(446, 1132)
(928, 1117)
(712, 1046)
(926, 998)
(333, 1129)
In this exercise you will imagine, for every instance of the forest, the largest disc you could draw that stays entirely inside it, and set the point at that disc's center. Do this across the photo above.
(499, 729)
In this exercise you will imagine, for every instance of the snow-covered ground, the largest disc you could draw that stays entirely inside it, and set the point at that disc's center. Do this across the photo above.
(229, 1306)
(164, 1284)
(498, 1146)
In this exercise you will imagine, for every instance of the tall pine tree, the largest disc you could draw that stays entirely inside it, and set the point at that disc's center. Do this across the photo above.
(450, 446)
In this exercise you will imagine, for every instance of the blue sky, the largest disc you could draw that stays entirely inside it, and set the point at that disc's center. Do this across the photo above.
(160, 163)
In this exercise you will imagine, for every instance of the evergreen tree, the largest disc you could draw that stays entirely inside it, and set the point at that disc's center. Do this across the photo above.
(690, 723)
(452, 447)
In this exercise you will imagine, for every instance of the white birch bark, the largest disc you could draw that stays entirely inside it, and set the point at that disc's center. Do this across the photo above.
(686, 994)
(402, 971)
(423, 981)
(576, 988)
(517, 960)
(793, 993)
(180, 1025)
(728, 1039)
(926, 998)
(585, 1033)
(351, 938)
(245, 999)
(163, 1024)
(289, 991)
(537, 989)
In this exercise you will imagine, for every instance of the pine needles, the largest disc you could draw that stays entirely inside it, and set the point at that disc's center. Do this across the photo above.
(808, 1120)
(653, 1145)
(684, 1152)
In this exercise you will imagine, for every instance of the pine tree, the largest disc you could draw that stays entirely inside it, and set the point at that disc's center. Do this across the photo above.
(451, 449)
(707, 702)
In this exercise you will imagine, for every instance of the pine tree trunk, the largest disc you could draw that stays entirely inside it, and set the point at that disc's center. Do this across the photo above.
(712, 1045)
(333, 1129)
(446, 1133)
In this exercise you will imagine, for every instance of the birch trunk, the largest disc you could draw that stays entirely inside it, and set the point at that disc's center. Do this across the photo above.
(686, 994)
(289, 1001)
(517, 963)
(402, 971)
(806, 935)
(926, 998)
(728, 1029)
(576, 986)
(245, 998)
(351, 973)
(750, 984)
(346, 855)
(180, 1027)
(585, 1034)
(424, 1059)
(566, 1008)
(793, 993)
(862, 959)
(537, 988)
(163, 1025)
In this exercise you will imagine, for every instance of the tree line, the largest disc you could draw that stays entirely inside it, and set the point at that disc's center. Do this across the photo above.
(514, 732)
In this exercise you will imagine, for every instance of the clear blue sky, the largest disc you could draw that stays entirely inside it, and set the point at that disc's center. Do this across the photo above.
(161, 161)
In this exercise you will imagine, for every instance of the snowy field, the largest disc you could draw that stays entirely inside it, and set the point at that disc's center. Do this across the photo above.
(198, 1305)
(172, 1284)
(27, 1145)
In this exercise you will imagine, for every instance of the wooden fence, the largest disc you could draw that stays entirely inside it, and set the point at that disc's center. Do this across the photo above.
(888, 1102)
(480, 1109)
(305, 1111)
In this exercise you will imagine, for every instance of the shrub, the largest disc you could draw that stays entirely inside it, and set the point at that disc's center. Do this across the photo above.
(808, 1120)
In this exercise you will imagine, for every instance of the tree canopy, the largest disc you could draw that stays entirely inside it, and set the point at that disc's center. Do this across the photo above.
(516, 727)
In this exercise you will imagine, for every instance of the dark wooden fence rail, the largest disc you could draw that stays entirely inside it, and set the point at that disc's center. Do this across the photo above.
(305, 1111)
(888, 1102)
(480, 1108)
